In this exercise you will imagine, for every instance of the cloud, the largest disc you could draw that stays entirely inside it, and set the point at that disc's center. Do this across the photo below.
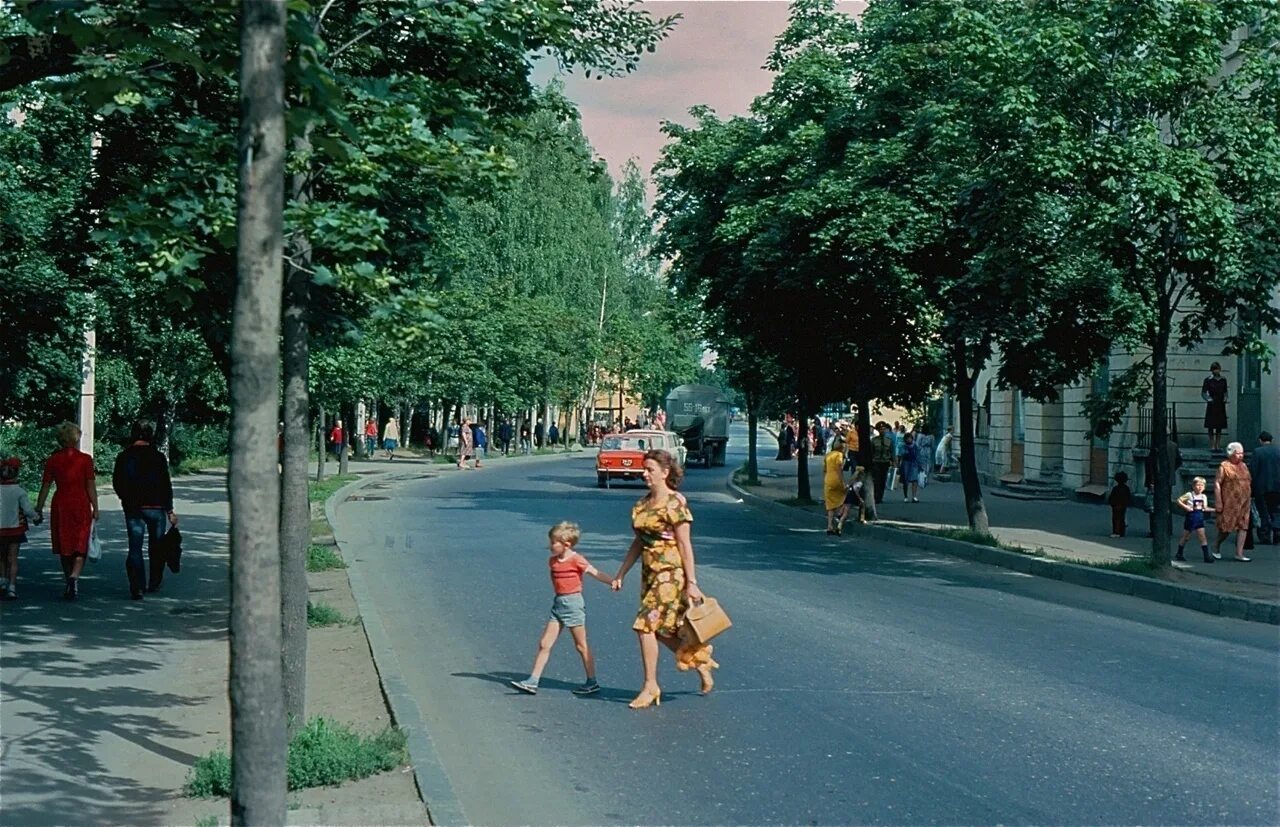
(714, 56)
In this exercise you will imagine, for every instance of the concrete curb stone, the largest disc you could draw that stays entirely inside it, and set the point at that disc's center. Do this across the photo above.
(1200, 600)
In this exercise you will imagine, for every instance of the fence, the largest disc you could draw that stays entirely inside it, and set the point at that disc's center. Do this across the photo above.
(1144, 425)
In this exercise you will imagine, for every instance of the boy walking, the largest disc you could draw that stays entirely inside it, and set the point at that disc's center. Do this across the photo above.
(568, 609)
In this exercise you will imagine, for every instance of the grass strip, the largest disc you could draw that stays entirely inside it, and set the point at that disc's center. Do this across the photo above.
(319, 615)
(324, 753)
(323, 490)
(323, 558)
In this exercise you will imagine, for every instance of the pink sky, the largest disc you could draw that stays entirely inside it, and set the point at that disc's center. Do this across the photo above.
(714, 56)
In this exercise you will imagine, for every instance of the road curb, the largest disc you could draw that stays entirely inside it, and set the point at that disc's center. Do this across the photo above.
(1146, 588)
(434, 787)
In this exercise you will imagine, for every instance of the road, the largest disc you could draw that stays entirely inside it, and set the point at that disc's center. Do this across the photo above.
(868, 684)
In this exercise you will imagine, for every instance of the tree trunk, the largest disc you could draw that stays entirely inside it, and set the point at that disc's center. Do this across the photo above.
(320, 444)
(753, 422)
(964, 383)
(295, 505)
(344, 448)
(1161, 531)
(258, 737)
(803, 492)
(864, 458)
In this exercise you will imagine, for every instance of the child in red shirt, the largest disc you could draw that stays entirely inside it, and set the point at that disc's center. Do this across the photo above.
(568, 609)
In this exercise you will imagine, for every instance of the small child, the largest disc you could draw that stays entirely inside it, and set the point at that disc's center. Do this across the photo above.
(1195, 503)
(1119, 500)
(568, 609)
(15, 513)
(853, 497)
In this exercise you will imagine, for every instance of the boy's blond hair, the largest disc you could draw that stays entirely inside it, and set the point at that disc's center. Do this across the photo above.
(566, 532)
(1200, 480)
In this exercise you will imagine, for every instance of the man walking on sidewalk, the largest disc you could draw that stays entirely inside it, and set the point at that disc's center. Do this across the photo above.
(881, 458)
(1264, 465)
(141, 481)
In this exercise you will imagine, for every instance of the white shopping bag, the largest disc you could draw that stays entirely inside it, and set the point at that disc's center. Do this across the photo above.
(95, 545)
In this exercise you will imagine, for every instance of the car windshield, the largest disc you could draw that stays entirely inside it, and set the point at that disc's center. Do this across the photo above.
(624, 443)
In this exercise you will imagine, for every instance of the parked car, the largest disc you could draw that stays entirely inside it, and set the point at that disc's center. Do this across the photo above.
(621, 456)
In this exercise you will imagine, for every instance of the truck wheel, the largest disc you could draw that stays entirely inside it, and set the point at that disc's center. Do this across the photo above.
(602, 480)
(717, 456)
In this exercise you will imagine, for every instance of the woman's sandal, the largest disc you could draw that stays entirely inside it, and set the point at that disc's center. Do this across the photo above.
(708, 681)
(647, 699)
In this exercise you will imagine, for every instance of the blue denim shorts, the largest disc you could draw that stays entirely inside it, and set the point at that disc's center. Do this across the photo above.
(569, 609)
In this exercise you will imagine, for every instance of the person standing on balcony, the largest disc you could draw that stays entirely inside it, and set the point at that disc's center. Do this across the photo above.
(1214, 393)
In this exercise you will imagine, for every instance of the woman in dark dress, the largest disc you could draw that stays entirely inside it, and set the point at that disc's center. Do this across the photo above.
(1214, 392)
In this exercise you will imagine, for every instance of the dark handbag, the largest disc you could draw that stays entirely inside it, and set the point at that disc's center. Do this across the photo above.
(171, 547)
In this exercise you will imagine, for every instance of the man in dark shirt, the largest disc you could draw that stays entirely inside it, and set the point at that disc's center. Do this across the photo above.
(141, 481)
(1264, 467)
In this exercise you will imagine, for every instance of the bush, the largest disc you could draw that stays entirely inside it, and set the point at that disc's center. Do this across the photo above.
(324, 753)
(323, 558)
(32, 444)
(198, 442)
(318, 614)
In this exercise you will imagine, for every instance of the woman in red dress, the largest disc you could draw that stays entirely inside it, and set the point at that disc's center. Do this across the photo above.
(75, 504)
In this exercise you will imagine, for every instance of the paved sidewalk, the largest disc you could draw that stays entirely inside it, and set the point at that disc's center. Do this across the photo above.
(1067, 530)
(107, 702)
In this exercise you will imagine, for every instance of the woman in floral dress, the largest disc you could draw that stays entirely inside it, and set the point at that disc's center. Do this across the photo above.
(661, 522)
(1231, 492)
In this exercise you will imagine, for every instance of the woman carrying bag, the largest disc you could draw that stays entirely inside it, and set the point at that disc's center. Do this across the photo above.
(669, 581)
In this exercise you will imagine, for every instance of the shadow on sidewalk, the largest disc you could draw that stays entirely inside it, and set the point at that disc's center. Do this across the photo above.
(88, 684)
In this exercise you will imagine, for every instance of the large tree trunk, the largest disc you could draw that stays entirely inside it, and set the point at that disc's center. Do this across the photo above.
(295, 506)
(753, 422)
(964, 384)
(864, 458)
(803, 491)
(258, 738)
(1161, 531)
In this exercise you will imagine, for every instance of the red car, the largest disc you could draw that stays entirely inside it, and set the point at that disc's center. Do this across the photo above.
(621, 456)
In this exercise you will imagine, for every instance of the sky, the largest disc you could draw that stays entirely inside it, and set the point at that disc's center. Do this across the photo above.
(714, 57)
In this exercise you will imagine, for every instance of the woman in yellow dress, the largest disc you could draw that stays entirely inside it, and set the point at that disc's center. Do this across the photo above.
(833, 483)
(669, 580)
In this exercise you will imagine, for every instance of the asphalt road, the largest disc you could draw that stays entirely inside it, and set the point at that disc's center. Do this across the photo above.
(867, 684)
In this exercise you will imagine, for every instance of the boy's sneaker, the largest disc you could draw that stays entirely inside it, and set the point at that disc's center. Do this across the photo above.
(587, 688)
(526, 686)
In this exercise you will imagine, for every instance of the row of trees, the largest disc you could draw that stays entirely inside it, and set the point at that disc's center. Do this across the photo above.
(402, 215)
(936, 186)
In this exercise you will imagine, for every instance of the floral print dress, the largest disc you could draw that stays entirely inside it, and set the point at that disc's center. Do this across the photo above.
(662, 600)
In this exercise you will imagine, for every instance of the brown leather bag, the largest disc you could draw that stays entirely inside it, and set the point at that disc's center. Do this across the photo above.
(706, 619)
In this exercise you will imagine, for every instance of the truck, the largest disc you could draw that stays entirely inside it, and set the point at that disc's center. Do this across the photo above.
(700, 415)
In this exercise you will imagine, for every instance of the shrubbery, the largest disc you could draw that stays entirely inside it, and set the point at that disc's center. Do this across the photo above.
(324, 753)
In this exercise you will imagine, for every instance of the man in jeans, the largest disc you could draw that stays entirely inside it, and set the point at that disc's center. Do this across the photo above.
(141, 481)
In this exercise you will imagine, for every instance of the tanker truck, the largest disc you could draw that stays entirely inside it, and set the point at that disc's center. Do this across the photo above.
(700, 415)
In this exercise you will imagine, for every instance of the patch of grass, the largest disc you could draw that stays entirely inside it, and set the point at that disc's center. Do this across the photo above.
(323, 558)
(324, 753)
(319, 614)
(194, 465)
(321, 491)
(968, 535)
(207, 821)
(1129, 565)
(320, 528)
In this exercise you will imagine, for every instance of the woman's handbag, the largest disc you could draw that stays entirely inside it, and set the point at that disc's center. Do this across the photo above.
(95, 545)
(706, 619)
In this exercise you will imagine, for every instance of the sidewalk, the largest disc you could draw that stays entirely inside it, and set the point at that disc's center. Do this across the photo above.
(1062, 529)
(107, 702)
